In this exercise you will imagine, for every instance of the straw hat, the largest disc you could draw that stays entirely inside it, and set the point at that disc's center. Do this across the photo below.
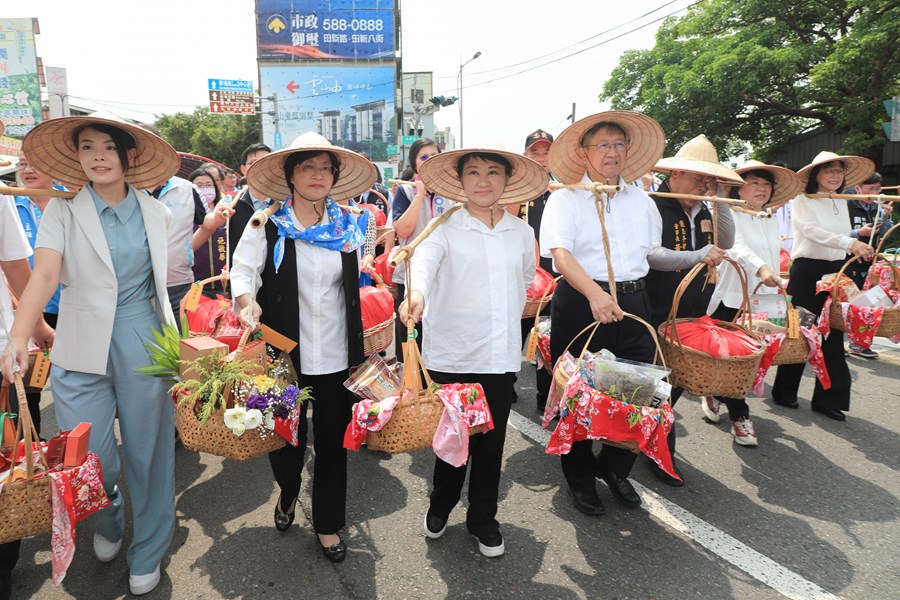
(858, 168)
(648, 141)
(528, 180)
(50, 150)
(787, 183)
(357, 172)
(698, 156)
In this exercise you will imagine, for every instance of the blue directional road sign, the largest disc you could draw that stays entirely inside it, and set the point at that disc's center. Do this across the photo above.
(231, 96)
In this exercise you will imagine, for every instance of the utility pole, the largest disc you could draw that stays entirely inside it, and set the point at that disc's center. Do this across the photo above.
(572, 116)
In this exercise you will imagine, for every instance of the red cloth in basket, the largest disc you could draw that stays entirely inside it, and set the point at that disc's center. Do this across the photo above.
(705, 335)
(384, 269)
(208, 314)
(785, 261)
(376, 304)
(539, 286)
(380, 218)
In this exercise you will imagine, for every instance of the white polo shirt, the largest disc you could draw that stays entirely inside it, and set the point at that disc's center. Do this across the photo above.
(633, 225)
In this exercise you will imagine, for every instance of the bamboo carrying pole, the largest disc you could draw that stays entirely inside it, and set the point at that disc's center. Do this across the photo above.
(730, 201)
(406, 251)
(31, 192)
(871, 197)
(260, 217)
(590, 187)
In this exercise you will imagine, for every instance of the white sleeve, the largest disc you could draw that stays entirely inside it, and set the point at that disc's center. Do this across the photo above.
(13, 243)
(529, 265)
(248, 261)
(558, 224)
(426, 260)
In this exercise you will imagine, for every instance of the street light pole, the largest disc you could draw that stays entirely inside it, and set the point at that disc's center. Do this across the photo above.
(459, 81)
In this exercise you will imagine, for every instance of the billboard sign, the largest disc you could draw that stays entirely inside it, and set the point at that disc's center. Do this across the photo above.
(350, 105)
(20, 88)
(317, 29)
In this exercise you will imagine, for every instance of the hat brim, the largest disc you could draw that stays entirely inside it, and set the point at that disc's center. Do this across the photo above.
(528, 180)
(787, 184)
(50, 150)
(647, 143)
(700, 167)
(357, 173)
(858, 169)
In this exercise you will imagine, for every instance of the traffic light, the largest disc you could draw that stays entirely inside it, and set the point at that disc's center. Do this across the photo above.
(443, 101)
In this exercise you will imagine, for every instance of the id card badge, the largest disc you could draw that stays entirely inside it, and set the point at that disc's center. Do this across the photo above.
(531, 347)
(706, 226)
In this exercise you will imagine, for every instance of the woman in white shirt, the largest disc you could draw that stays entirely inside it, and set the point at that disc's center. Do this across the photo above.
(821, 244)
(757, 250)
(299, 275)
(468, 281)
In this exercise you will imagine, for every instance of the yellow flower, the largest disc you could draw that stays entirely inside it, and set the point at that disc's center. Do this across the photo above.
(263, 383)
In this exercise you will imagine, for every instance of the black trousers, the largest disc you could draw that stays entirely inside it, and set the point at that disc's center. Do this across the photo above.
(400, 332)
(737, 407)
(485, 457)
(570, 313)
(332, 404)
(805, 272)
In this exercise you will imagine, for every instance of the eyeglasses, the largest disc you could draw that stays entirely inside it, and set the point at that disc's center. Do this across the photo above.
(834, 171)
(424, 157)
(310, 169)
(605, 147)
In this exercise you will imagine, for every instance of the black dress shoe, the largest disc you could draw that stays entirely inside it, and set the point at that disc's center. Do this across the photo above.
(791, 404)
(283, 520)
(621, 488)
(665, 477)
(587, 502)
(831, 414)
(337, 552)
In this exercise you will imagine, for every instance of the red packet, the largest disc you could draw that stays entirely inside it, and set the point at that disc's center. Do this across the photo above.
(77, 445)
(288, 428)
(56, 447)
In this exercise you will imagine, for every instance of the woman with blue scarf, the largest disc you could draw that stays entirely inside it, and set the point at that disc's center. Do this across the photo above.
(299, 274)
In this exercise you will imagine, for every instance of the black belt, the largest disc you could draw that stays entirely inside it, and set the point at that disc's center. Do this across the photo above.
(626, 287)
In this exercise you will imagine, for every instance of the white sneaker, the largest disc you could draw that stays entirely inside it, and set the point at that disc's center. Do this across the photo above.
(743, 432)
(143, 584)
(104, 549)
(710, 408)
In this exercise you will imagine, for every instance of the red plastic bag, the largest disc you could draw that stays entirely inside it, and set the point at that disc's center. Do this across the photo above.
(785, 260)
(376, 304)
(705, 335)
(206, 317)
(380, 217)
(539, 286)
(384, 269)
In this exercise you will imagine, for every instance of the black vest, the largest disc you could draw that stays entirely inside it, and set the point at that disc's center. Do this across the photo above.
(280, 307)
(676, 235)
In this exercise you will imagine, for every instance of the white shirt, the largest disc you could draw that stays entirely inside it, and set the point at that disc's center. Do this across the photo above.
(755, 245)
(13, 246)
(323, 313)
(785, 227)
(633, 225)
(178, 195)
(474, 280)
(821, 229)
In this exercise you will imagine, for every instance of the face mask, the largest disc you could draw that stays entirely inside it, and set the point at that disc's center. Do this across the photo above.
(208, 194)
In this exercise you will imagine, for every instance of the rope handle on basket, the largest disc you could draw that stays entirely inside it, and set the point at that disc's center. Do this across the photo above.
(712, 273)
(412, 358)
(599, 204)
(245, 336)
(596, 324)
(383, 199)
(25, 428)
(669, 323)
(545, 298)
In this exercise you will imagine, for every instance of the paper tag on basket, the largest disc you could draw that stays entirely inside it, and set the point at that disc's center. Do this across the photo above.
(531, 347)
(192, 298)
(273, 338)
(40, 372)
(793, 323)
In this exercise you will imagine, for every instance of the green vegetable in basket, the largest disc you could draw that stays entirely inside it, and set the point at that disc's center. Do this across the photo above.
(165, 352)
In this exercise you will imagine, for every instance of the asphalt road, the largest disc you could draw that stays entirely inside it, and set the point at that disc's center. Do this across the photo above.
(813, 512)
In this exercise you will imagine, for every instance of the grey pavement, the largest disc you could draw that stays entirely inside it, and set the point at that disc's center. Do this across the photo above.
(817, 500)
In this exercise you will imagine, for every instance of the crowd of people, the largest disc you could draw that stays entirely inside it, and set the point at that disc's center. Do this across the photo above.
(94, 275)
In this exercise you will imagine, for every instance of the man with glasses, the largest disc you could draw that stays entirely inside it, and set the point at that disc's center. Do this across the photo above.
(250, 200)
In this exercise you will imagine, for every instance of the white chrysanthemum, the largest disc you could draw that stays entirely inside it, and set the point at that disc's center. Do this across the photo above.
(254, 418)
(235, 416)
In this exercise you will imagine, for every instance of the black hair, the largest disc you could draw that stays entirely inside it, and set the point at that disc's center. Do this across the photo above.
(762, 174)
(812, 186)
(253, 149)
(874, 178)
(209, 165)
(497, 158)
(205, 173)
(123, 140)
(291, 162)
(611, 125)
(414, 151)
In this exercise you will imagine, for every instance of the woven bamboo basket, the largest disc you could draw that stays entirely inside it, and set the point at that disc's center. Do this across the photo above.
(26, 507)
(793, 351)
(533, 308)
(213, 437)
(183, 304)
(379, 337)
(561, 378)
(698, 372)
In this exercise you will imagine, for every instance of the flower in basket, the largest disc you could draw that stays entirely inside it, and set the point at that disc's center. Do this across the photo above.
(240, 418)
(268, 406)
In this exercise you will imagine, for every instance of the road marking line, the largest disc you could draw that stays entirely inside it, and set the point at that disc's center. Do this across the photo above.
(760, 567)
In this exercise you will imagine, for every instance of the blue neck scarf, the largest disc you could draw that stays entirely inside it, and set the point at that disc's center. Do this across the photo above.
(343, 232)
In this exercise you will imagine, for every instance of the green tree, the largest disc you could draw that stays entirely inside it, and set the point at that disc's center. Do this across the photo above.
(762, 71)
(219, 137)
